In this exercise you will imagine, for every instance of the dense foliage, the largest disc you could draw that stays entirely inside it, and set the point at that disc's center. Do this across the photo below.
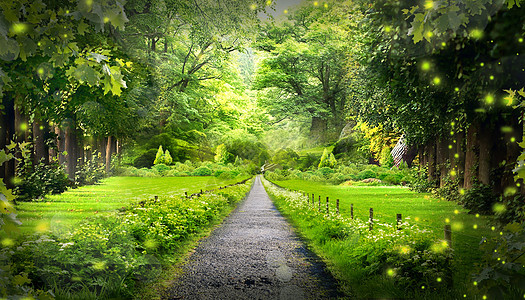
(407, 258)
(110, 256)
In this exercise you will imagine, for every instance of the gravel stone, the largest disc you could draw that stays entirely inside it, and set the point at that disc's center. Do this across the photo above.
(254, 254)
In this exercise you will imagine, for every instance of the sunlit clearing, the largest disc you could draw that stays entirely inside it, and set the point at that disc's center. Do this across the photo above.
(499, 208)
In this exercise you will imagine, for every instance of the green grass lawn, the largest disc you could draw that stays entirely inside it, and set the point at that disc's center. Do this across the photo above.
(57, 211)
(421, 209)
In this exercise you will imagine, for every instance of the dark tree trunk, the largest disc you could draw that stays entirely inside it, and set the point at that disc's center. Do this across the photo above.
(40, 149)
(109, 152)
(318, 129)
(471, 158)
(441, 158)
(421, 158)
(485, 139)
(459, 162)
(61, 145)
(9, 122)
(431, 150)
(71, 149)
(101, 147)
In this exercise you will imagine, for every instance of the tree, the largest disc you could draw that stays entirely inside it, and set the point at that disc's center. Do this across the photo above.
(303, 72)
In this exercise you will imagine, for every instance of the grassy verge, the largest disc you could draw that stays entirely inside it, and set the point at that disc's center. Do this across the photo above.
(419, 210)
(116, 254)
(67, 209)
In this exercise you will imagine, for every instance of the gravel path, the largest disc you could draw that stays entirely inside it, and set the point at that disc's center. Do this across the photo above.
(254, 255)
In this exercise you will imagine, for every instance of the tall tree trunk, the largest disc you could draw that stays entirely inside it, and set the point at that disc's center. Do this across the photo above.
(485, 154)
(431, 150)
(101, 148)
(318, 129)
(459, 162)
(21, 133)
(40, 149)
(441, 159)
(471, 158)
(71, 149)
(421, 158)
(109, 152)
(61, 145)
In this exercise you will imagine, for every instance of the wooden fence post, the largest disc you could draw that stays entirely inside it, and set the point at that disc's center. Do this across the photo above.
(313, 199)
(337, 205)
(371, 220)
(186, 194)
(156, 198)
(352, 211)
(448, 235)
(319, 203)
(327, 206)
(399, 220)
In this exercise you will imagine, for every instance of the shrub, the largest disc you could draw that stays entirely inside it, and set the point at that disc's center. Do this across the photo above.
(202, 171)
(41, 180)
(160, 169)
(146, 159)
(90, 172)
(366, 174)
(325, 171)
(479, 199)
(327, 159)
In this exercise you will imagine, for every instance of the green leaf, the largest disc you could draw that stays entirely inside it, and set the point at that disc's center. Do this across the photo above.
(9, 50)
(21, 280)
(85, 73)
(82, 28)
(417, 27)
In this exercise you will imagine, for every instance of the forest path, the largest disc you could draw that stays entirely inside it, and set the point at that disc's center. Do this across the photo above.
(254, 254)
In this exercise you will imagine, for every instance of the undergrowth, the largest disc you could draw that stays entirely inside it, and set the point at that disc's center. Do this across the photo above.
(384, 262)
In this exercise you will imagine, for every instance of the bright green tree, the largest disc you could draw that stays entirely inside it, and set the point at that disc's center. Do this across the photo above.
(159, 158)
(167, 157)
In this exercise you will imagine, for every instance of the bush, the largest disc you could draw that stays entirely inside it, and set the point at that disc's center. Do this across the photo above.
(90, 172)
(41, 180)
(161, 169)
(325, 171)
(366, 174)
(479, 199)
(419, 182)
(202, 171)
(146, 159)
